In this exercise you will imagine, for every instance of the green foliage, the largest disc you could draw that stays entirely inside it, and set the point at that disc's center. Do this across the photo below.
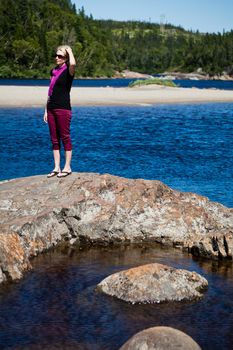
(152, 81)
(30, 31)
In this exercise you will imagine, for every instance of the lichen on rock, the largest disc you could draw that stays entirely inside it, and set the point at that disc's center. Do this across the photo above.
(160, 338)
(154, 283)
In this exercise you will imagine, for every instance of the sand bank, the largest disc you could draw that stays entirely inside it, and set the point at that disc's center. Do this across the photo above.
(35, 96)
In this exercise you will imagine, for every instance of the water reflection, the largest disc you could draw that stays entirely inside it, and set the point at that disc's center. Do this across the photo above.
(56, 306)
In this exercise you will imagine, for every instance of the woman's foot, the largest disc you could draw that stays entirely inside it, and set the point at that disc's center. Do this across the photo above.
(64, 173)
(53, 173)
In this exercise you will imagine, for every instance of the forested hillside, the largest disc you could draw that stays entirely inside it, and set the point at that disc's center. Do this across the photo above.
(30, 31)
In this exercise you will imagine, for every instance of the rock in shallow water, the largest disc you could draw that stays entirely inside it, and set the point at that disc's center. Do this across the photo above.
(160, 338)
(154, 283)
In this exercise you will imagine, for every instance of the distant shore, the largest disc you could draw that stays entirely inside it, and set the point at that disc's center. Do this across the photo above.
(36, 96)
(198, 75)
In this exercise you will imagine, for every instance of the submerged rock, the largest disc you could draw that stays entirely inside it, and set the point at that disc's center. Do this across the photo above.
(160, 338)
(37, 213)
(154, 283)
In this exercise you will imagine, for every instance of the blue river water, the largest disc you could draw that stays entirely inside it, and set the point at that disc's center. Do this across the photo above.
(188, 147)
(186, 83)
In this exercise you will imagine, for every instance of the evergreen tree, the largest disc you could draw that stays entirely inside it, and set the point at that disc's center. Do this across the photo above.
(30, 31)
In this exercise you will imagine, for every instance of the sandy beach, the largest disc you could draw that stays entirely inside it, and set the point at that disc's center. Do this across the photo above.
(36, 96)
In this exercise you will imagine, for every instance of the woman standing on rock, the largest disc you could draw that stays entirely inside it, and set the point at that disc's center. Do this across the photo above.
(58, 109)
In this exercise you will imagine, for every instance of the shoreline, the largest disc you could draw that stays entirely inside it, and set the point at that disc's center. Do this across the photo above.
(36, 96)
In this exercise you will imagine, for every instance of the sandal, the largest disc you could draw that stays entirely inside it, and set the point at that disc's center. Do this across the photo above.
(53, 173)
(64, 174)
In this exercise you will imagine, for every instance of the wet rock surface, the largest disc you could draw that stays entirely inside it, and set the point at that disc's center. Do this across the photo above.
(154, 283)
(37, 213)
(160, 338)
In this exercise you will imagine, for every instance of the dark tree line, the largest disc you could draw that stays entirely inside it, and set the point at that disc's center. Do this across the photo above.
(30, 31)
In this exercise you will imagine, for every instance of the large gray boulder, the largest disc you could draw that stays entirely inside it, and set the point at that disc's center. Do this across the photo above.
(154, 283)
(37, 213)
(160, 338)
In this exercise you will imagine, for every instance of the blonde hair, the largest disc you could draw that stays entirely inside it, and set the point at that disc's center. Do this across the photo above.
(63, 48)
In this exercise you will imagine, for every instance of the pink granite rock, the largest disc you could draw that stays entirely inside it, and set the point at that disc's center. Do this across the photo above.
(160, 338)
(86, 207)
(154, 283)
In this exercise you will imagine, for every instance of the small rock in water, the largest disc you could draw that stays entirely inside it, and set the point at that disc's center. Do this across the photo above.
(160, 338)
(154, 283)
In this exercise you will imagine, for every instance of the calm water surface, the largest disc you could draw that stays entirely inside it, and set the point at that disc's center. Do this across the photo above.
(56, 305)
(186, 83)
(189, 147)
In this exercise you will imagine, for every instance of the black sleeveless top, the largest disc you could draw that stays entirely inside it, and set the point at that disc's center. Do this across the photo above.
(60, 98)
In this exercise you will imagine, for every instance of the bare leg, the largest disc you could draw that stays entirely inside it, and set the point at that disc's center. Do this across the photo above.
(56, 156)
(57, 169)
(68, 161)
